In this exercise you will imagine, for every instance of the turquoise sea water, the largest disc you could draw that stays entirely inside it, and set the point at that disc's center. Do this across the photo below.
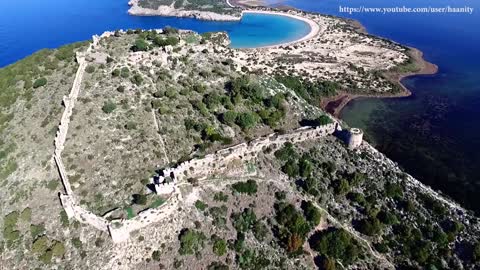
(29, 25)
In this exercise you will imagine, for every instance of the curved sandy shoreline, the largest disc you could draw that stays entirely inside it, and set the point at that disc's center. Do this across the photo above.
(314, 27)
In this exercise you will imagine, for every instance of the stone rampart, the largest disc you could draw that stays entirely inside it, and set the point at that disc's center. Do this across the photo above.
(200, 168)
(120, 229)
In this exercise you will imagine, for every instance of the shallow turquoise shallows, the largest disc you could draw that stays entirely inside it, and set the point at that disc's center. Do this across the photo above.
(258, 30)
(29, 25)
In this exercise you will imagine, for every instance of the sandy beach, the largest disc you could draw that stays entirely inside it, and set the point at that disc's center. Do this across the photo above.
(314, 27)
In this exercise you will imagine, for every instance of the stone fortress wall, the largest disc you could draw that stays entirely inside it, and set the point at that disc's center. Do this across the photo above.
(71, 207)
(199, 168)
(211, 164)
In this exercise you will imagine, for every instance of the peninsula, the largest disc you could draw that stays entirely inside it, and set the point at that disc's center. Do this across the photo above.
(168, 149)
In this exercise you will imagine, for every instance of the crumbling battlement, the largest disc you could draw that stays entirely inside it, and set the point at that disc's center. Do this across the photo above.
(214, 163)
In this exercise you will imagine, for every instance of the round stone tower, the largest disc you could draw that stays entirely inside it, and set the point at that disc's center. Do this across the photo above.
(355, 138)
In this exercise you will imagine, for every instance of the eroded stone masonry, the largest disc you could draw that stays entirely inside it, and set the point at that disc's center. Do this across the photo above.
(167, 182)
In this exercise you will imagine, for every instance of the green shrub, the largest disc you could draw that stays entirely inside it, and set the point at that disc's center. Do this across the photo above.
(10, 232)
(370, 226)
(293, 227)
(137, 79)
(125, 72)
(156, 255)
(116, 72)
(130, 125)
(219, 215)
(249, 259)
(326, 263)
(40, 245)
(40, 82)
(341, 187)
(249, 187)
(53, 184)
(58, 249)
(336, 243)
(393, 190)
(217, 266)
(130, 212)
(90, 69)
(109, 107)
(200, 205)
(26, 214)
(191, 241)
(220, 197)
(140, 45)
(291, 168)
(311, 212)
(219, 246)
(77, 243)
(64, 219)
(245, 220)
(260, 230)
(229, 117)
(158, 202)
(476, 252)
(46, 257)
(286, 152)
(36, 230)
(162, 42)
(247, 120)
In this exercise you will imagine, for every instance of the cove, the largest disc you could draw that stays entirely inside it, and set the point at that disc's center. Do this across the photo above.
(29, 25)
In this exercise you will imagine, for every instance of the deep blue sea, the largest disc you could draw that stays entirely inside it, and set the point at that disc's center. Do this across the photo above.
(434, 134)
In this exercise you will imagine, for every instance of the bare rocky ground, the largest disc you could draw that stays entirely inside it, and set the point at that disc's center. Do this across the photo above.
(315, 204)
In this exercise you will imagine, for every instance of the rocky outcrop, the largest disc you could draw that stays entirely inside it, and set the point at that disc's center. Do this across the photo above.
(169, 11)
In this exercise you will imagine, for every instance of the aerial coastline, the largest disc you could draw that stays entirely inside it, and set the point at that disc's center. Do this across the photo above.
(334, 104)
(176, 143)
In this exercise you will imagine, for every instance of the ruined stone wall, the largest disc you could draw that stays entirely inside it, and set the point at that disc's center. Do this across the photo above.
(120, 229)
(73, 209)
(213, 163)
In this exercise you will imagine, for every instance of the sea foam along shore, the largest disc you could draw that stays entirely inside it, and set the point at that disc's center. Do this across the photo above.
(170, 11)
(314, 27)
